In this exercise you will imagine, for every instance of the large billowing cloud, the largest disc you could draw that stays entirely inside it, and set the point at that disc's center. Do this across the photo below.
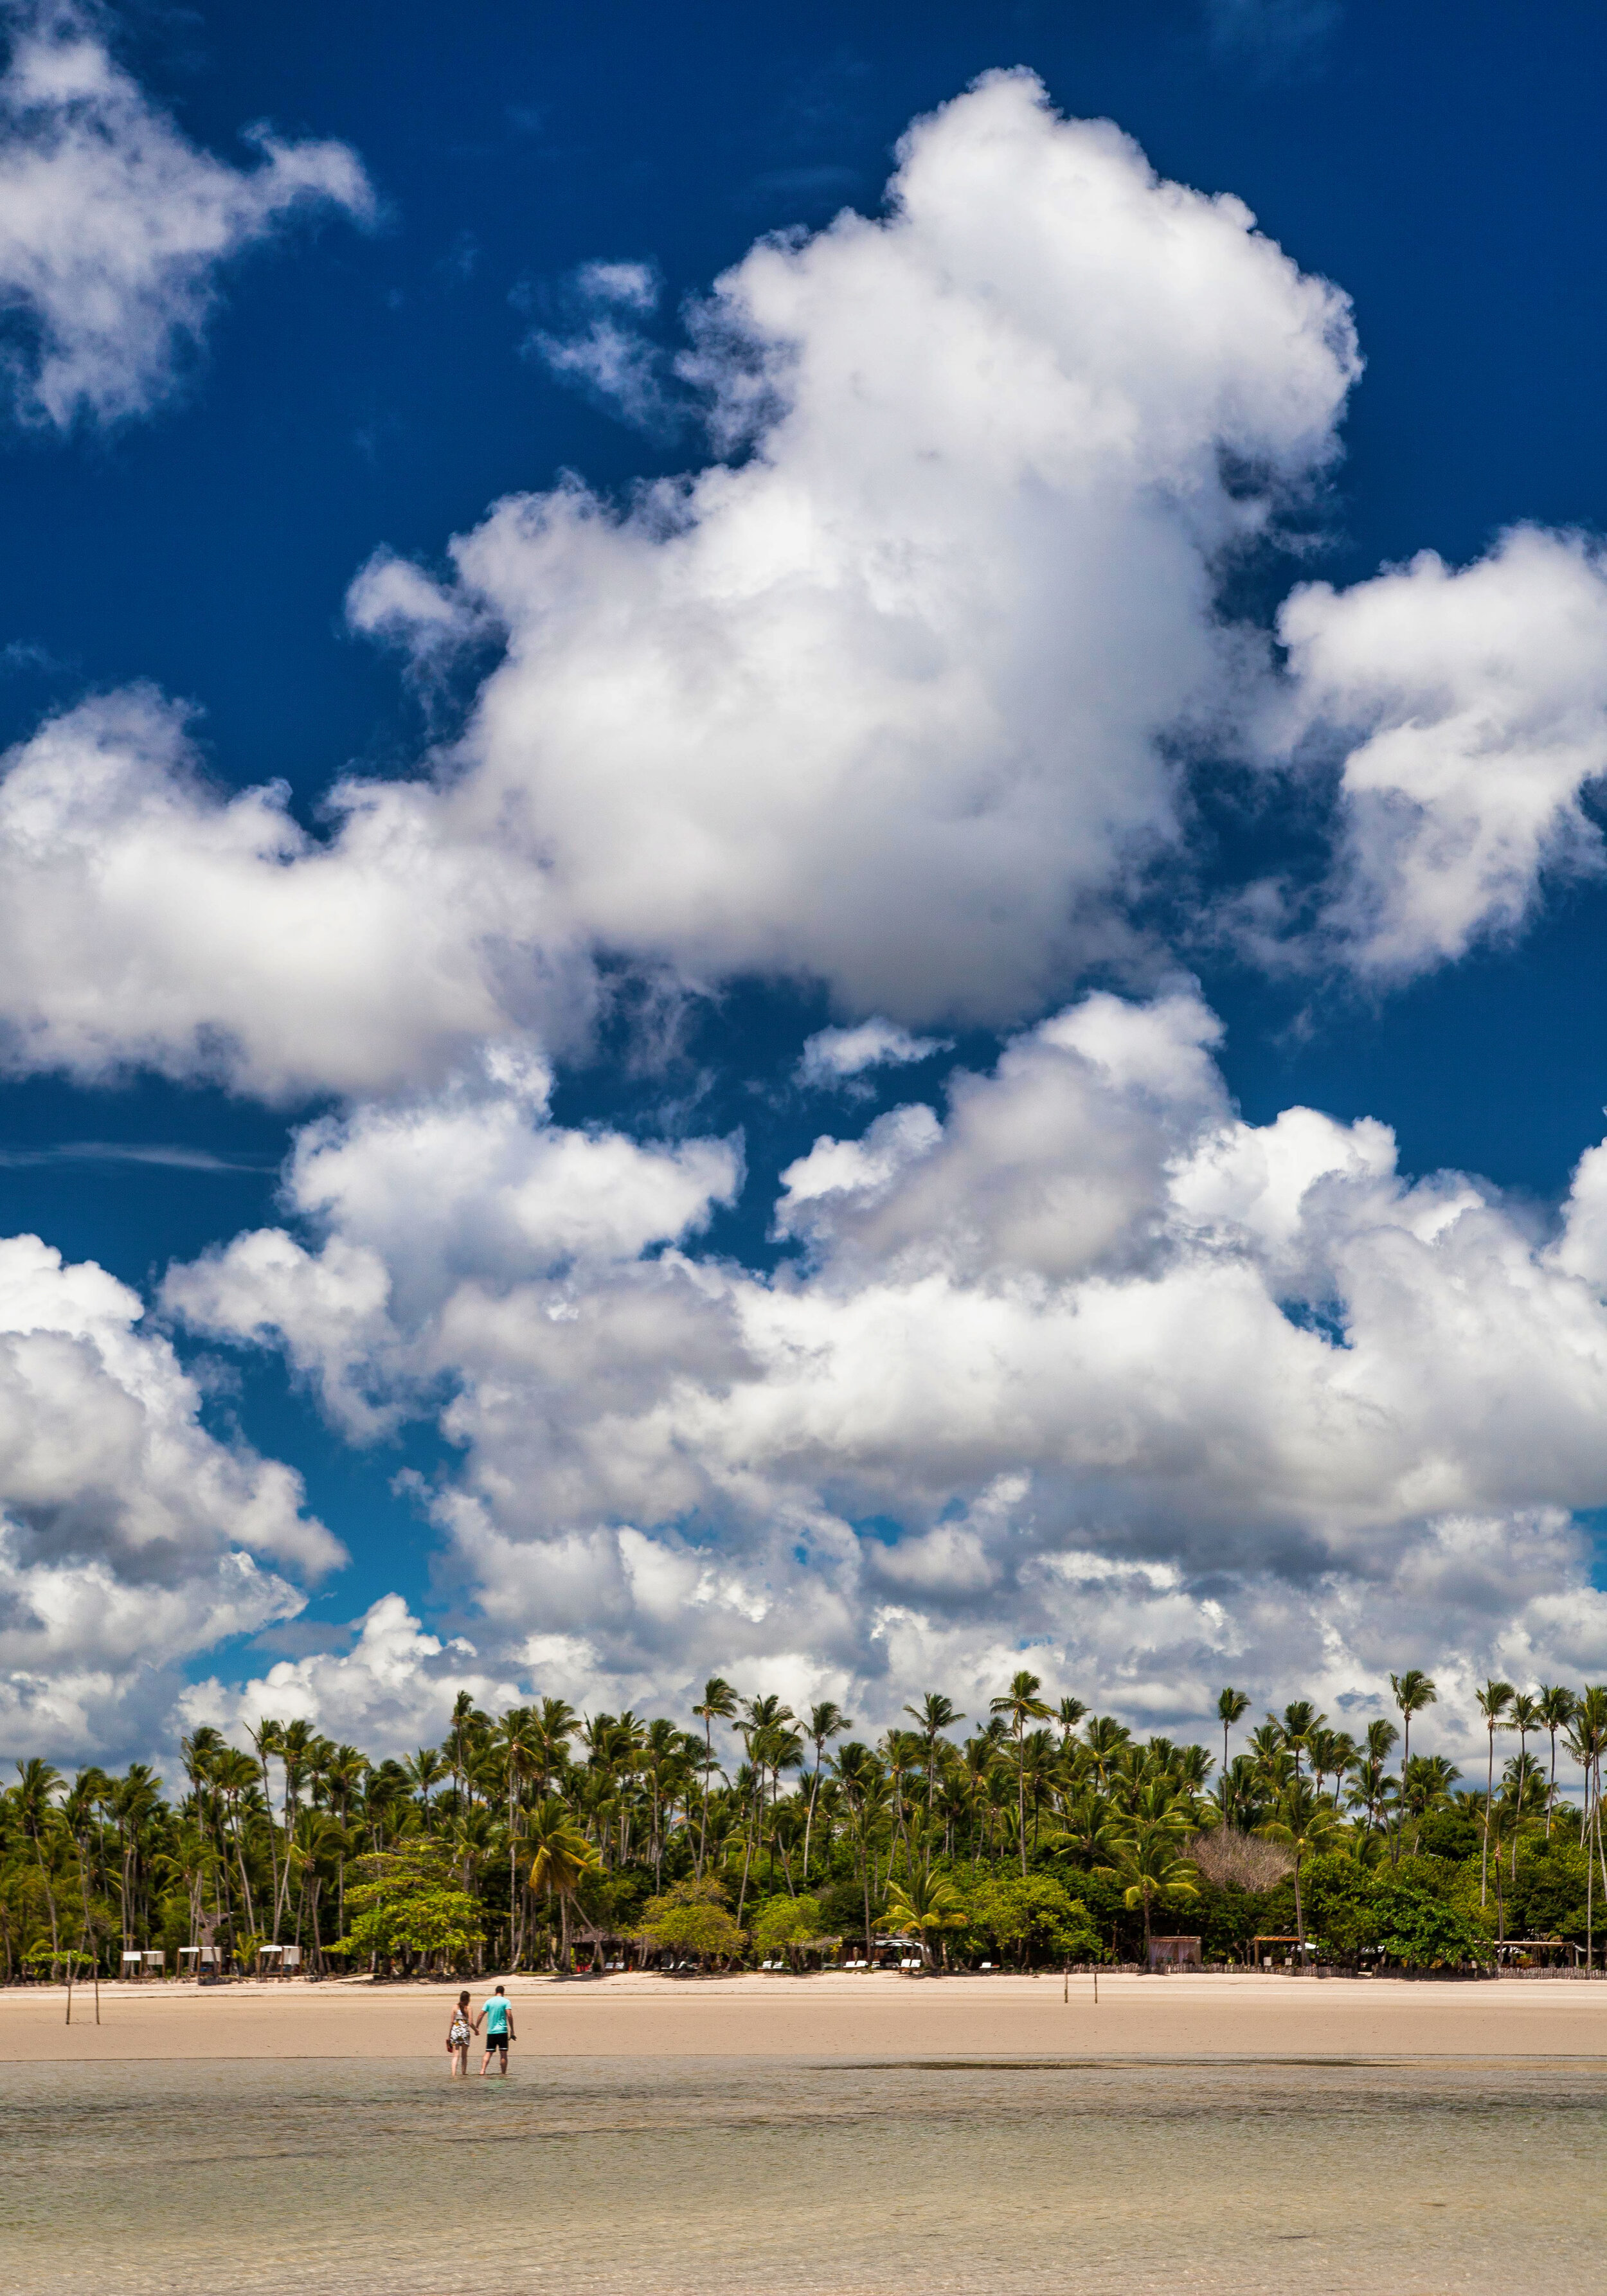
(893, 701)
(883, 700)
(812, 713)
(130, 1538)
(1086, 1358)
(114, 228)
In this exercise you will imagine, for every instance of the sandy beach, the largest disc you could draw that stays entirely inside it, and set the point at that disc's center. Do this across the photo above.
(846, 2018)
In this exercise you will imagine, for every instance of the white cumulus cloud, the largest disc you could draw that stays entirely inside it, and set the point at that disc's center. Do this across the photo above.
(836, 1057)
(884, 703)
(114, 228)
(1089, 1358)
(1469, 708)
(130, 1538)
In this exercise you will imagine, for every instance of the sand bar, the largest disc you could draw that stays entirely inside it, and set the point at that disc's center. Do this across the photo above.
(873, 2016)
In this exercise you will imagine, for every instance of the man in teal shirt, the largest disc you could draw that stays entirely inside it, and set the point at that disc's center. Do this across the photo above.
(497, 2020)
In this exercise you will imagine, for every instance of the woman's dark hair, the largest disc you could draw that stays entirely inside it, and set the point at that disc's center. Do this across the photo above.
(463, 1996)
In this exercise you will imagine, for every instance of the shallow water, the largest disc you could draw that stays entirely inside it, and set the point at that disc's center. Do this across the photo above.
(670, 2176)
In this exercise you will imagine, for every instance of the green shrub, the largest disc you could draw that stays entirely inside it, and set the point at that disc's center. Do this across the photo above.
(691, 1917)
(401, 1912)
(782, 1923)
(1031, 1918)
(1422, 1932)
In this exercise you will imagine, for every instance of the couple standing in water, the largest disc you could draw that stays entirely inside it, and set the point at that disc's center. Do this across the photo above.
(496, 2017)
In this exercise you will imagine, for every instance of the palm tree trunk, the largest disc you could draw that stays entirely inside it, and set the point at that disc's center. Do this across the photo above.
(810, 1820)
(1489, 1788)
(245, 1883)
(1021, 1794)
(1400, 1807)
(1552, 1796)
(1589, 1883)
(267, 1801)
(55, 1941)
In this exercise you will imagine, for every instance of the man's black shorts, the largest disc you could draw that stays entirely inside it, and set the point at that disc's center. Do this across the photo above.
(496, 2041)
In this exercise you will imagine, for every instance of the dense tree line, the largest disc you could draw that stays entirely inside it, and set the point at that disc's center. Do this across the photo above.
(1043, 1834)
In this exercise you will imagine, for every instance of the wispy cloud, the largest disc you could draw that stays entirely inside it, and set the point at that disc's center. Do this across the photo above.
(114, 228)
(606, 353)
(832, 1056)
(125, 1151)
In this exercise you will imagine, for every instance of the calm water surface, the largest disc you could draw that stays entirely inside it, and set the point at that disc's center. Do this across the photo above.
(674, 2176)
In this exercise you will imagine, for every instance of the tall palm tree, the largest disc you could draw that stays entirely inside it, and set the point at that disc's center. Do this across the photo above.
(933, 1716)
(297, 1741)
(1091, 1826)
(1104, 1739)
(88, 1790)
(1020, 1705)
(1331, 1753)
(718, 1704)
(516, 1743)
(1525, 1717)
(343, 1779)
(1271, 1754)
(827, 1721)
(265, 1738)
(870, 1805)
(135, 1800)
(1492, 1701)
(198, 1752)
(235, 1774)
(1590, 1726)
(1413, 1691)
(425, 1771)
(922, 1903)
(1425, 1785)
(1557, 1706)
(1068, 1713)
(562, 1858)
(1297, 1723)
(1232, 1706)
(1304, 1821)
(467, 1726)
(760, 1716)
(1148, 1865)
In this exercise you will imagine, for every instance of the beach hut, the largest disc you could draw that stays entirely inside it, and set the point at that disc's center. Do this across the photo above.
(156, 1959)
(1515, 1954)
(194, 1960)
(132, 1955)
(1175, 1953)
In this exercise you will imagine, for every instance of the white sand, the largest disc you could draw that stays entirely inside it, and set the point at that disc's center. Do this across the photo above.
(874, 2015)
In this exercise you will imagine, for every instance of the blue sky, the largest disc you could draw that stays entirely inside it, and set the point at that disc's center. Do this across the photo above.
(451, 1136)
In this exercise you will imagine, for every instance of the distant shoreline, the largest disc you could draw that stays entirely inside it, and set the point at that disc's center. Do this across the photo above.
(1232, 2016)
